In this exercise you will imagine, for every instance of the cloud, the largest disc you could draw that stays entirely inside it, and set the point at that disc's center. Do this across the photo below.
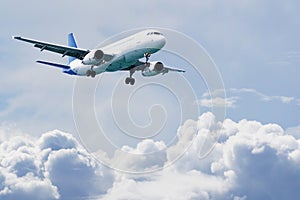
(51, 167)
(298, 102)
(131, 162)
(170, 184)
(249, 160)
(294, 131)
(263, 97)
(286, 58)
(75, 174)
(217, 98)
(218, 102)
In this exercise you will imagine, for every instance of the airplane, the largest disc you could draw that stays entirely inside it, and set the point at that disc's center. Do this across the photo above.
(122, 55)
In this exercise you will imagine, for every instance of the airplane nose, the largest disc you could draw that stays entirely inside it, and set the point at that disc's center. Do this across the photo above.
(162, 41)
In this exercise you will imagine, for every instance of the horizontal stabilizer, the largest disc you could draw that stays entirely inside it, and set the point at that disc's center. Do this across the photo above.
(54, 64)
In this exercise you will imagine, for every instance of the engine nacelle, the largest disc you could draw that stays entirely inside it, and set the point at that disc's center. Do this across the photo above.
(94, 57)
(153, 68)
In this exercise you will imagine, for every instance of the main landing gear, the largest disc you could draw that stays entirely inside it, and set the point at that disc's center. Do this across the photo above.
(130, 80)
(91, 72)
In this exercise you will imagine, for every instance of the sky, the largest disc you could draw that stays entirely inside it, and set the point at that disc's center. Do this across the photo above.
(250, 153)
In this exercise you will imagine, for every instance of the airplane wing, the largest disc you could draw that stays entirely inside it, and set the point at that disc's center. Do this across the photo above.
(64, 50)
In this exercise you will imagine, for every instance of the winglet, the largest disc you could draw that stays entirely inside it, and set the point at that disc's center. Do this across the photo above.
(16, 37)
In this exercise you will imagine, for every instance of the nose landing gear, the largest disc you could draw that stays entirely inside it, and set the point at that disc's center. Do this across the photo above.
(147, 56)
(130, 80)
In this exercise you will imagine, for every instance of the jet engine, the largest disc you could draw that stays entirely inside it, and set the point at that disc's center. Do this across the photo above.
(153, 68)
(94, 57)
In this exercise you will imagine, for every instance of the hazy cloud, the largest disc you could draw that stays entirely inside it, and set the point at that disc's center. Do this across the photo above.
(263, 97)
(216, 98)
(286, 58)
(218, 102)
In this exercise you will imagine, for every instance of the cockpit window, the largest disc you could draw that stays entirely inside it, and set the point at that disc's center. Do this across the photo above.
(155, 33)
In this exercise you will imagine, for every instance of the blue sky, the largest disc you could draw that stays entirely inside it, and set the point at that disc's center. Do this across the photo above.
(254, 44)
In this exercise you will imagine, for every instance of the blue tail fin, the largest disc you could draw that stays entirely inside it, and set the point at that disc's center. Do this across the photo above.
(71, 43)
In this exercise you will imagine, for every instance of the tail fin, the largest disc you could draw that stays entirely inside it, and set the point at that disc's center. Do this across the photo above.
(71, 43)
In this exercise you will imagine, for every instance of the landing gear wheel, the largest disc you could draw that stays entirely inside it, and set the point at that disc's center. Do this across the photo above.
(88, 73)
(127, 80)
(130, 81)
(93, 74)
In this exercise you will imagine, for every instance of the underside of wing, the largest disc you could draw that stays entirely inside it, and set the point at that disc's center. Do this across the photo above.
(165, 69)
(138, 63)
(64, 50)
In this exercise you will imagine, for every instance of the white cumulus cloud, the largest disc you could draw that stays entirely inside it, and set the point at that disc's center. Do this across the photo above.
(249, 160)
(54, 166)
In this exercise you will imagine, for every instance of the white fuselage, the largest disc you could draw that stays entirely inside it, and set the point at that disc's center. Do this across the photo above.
(126, 52)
